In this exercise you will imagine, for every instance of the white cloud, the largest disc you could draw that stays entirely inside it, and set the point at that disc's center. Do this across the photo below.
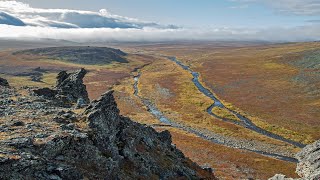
(303, 33)
(20, 21)
(65, 18)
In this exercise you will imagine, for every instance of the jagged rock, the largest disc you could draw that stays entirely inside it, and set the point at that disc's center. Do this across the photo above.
(4, 82)
(63, 75)
(71, 85)
(308, 167)
(133, 147)
(105, 146)
(69, 90)
(309, 162)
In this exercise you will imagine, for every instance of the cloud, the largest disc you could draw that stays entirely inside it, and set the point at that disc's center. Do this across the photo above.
(303, 33)
(65, 18)
(20, 21)
(10, 20)
(297, 7)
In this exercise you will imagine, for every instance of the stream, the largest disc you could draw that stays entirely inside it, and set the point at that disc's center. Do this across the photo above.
(244, 121)
(215, 138)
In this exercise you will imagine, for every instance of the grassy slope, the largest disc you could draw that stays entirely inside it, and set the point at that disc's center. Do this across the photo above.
(229, 163)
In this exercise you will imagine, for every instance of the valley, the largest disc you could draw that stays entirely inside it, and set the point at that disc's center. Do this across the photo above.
(236, 107)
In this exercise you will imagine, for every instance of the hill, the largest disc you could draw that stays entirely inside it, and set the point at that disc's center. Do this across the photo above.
(79, 54)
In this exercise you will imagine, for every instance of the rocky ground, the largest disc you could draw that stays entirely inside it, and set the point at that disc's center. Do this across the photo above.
(57, 134)
(308, 167)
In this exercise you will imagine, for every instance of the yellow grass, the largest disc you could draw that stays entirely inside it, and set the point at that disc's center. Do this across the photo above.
(224, 113)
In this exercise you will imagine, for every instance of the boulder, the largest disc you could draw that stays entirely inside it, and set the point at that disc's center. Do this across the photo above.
(4, 82)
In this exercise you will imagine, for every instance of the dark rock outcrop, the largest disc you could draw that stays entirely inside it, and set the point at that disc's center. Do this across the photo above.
(96, 144)
(69, 89)
(4, 82)
(308, 167)
(46, 92)
(133, 148)
(71, 85)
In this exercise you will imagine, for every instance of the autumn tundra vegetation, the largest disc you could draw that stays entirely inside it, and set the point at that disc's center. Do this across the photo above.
(274, 86)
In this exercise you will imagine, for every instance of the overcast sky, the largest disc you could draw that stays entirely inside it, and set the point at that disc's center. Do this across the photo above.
(147, 20)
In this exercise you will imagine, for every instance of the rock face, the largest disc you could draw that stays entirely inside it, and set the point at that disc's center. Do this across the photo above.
(308, 167)
(71, 85)
(133, 148)
(309, 162)
(57, 143)
(4, 82)
(69, 89)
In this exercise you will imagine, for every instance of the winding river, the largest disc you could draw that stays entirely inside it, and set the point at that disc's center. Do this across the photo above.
(215, 138)
(244, 121)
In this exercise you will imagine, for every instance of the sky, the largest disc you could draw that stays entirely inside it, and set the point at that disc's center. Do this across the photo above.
(235, 13)
(155, 20)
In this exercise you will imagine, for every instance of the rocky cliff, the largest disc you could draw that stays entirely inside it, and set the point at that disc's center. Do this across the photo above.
(308, 167)
(40, 140)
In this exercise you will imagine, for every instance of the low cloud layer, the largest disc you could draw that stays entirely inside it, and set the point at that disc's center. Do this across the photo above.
(304, 33)
(20, 21)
